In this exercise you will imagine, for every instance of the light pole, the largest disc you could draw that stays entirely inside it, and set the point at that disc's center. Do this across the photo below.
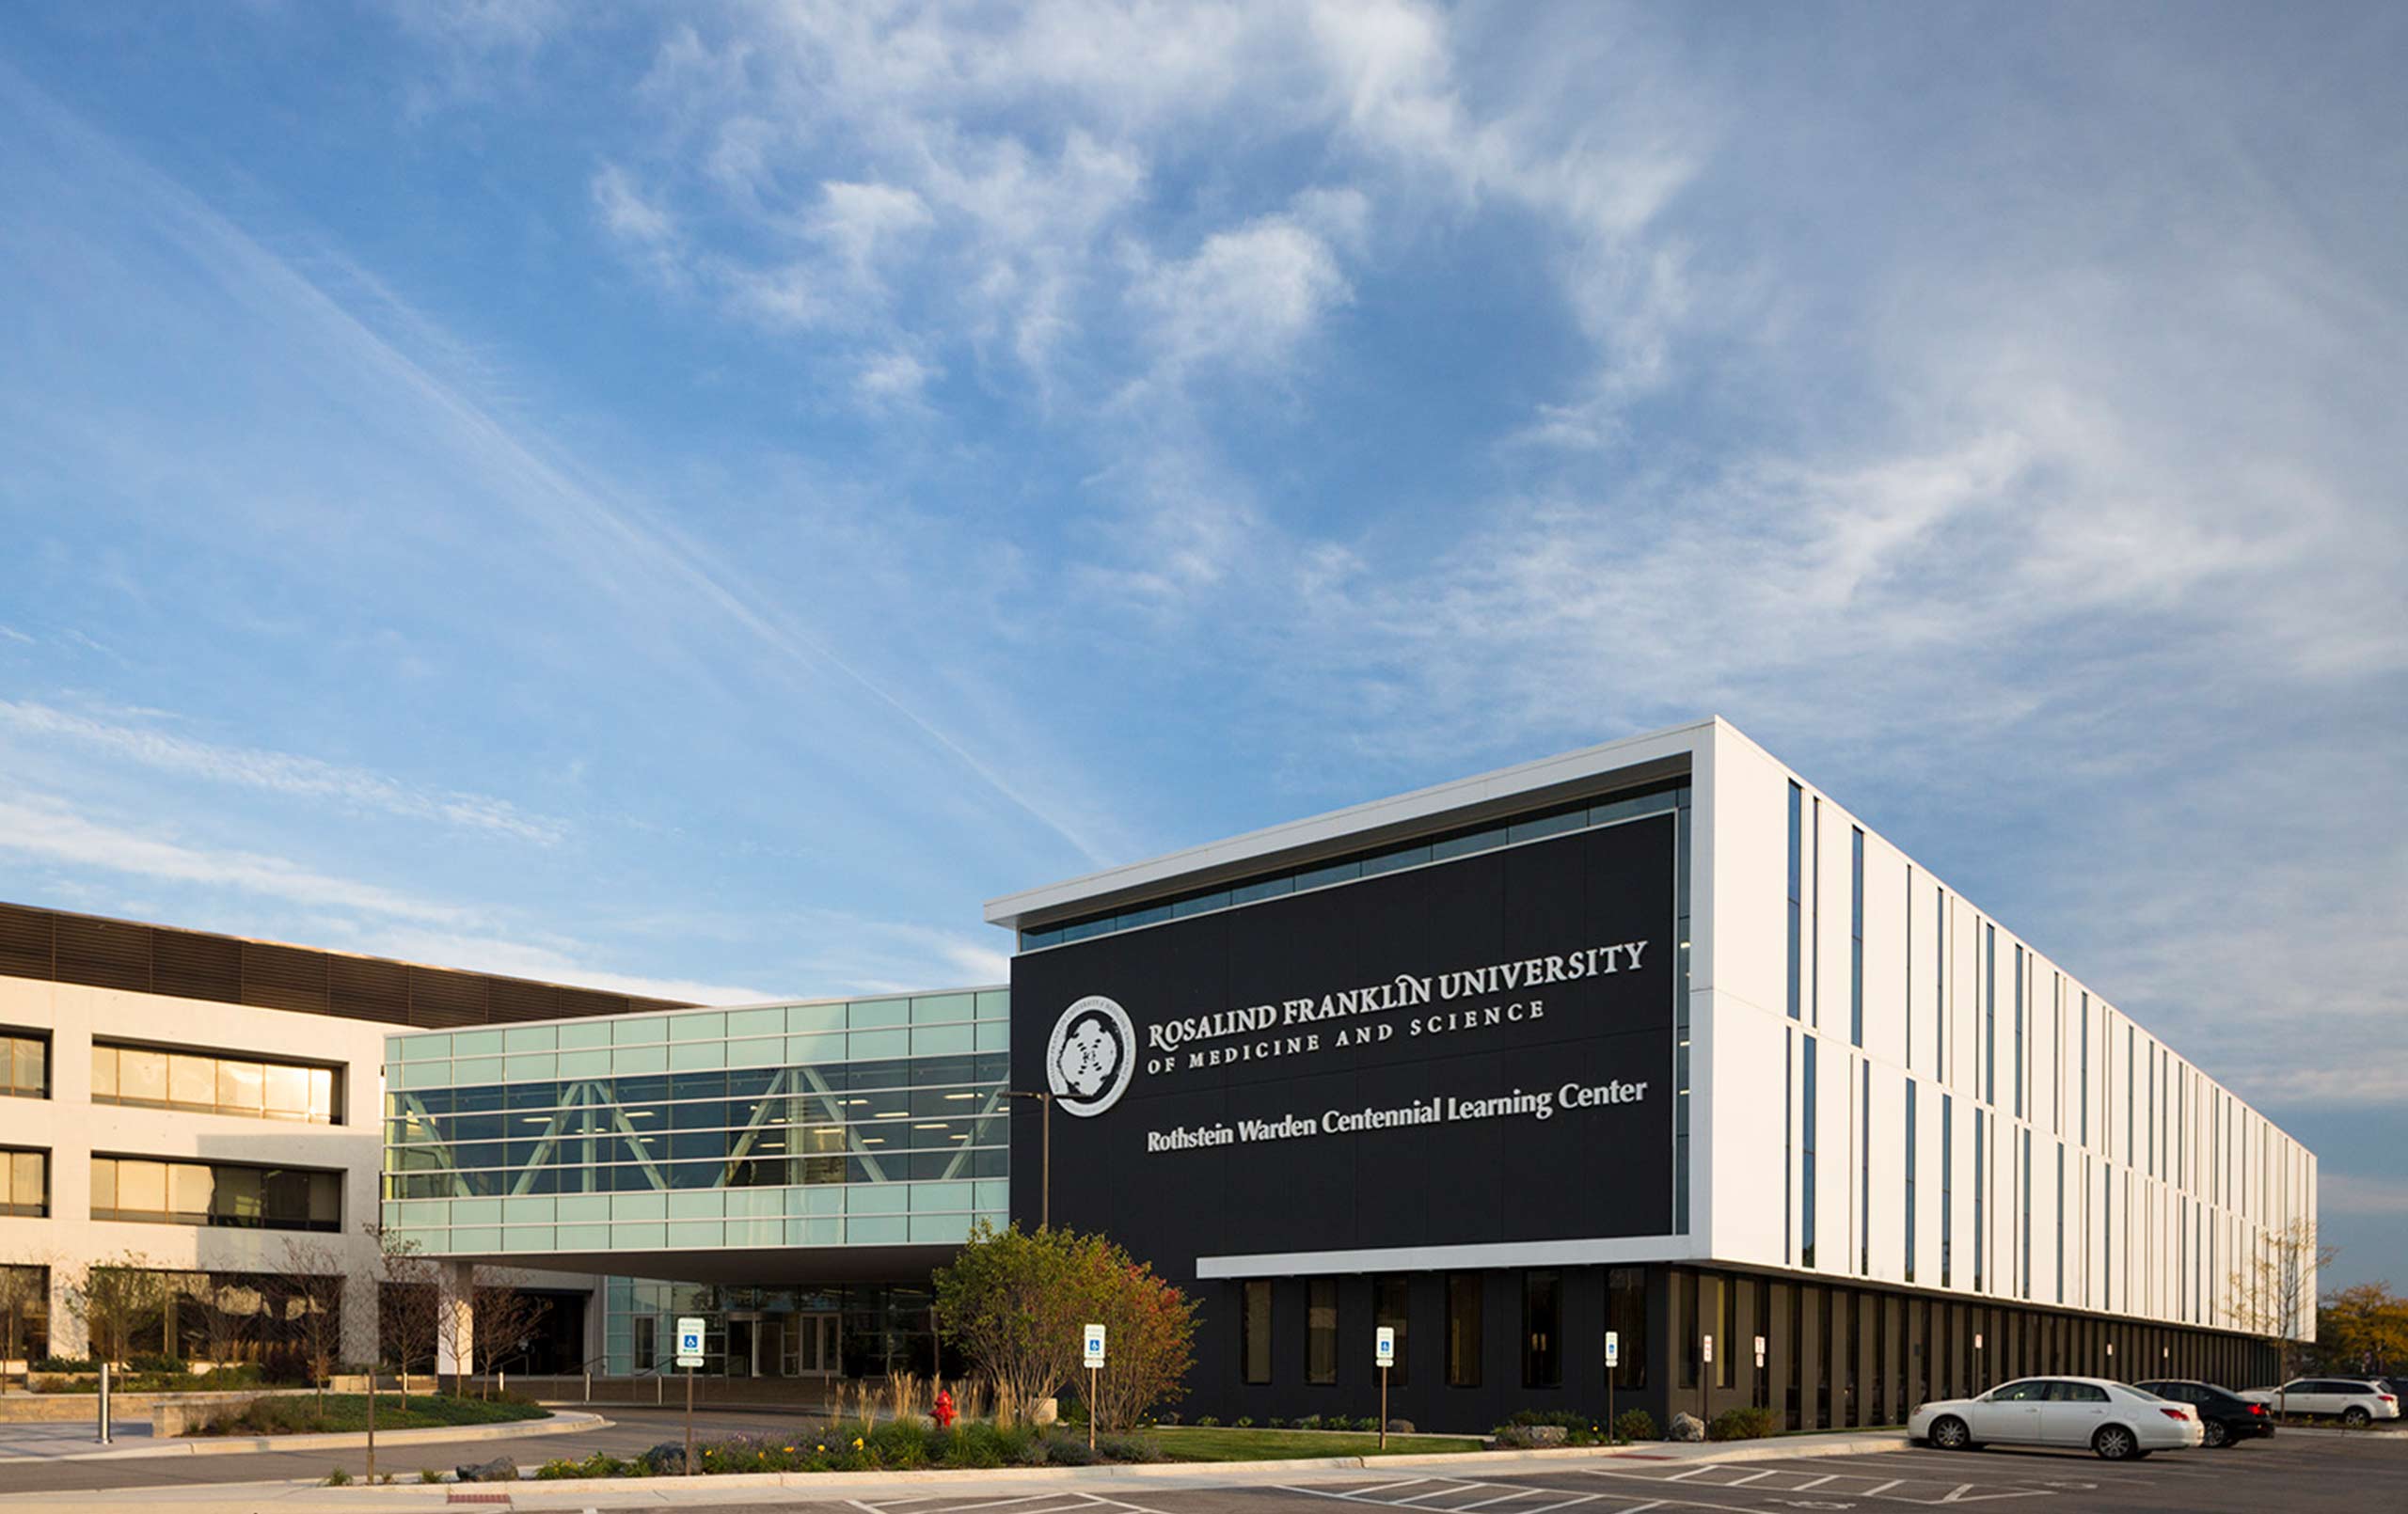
(1045, 1148)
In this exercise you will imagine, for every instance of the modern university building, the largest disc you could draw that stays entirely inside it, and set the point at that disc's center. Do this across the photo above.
(1653, 1039)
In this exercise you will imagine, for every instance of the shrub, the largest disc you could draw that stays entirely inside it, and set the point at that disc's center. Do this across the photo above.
(1210, 1422)
(1128, 1448)
(1243, 1422)
(158, 1364)
(1274, 1423)
(1311, 1421)
(429, 1474)
(1634, 1424)
(1741, 1425)
(1068, 1451)
(67, 1363)
(338, 1478)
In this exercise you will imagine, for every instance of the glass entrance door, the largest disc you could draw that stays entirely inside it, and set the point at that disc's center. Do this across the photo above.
(813, 1339)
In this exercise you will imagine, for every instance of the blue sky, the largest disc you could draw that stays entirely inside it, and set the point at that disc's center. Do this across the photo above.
(701, 498)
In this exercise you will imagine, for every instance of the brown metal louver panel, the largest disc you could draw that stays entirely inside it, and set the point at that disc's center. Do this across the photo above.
(510, 998)
(103, 953)
(25, 941)
(592, 1002)
(363, 988)
(284, 977)
(196, 966)
(651, 1006)
(440, 998)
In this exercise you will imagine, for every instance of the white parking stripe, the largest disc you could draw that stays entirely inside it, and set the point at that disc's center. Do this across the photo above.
(1753, 1477)
(1382, 1488)
(1518, 1492)
(1548, 1509)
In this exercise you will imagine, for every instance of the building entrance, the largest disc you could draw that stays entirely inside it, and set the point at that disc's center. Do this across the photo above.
(781, 1346)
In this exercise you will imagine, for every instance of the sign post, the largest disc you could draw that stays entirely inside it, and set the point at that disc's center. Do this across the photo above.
(1383, 1357)
(1091, 1348)
(689, 1356)
(1613, 1360)
(1762, 1387)
(1702, 1375)
(104, 1395)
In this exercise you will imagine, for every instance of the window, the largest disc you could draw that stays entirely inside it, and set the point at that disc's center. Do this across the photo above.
(1815, 919)
(2085, 1067)
(223, 1195)
(1856, 938)
(1806, 1163)
(24, 1312)
(1254, 1330)
(1463, 1330)
(1321, 1329)
(210, 1084)
(2025, 1214)
(24, 1183)
(1981, 1183)
(1940, 984)
(1947, 1185)
(1910, 1180)
(24, 1065)
(1864, 1168)
(1541, 1330)
(1391, 1304)
(1796, 883)
(2061, 1221)
(1626, 1316)
(1788, 1147)
(1989, 1015)
(2019, 1033)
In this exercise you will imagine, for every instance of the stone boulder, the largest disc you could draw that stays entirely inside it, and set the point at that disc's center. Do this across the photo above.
(1686, 1427)
(500, 1469)
(1049, 1412)
(1400, 1426)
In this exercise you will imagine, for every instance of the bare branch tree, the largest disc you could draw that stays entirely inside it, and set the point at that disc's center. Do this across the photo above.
(507, 1318)
(229, 1322)
(112, 1297)
(311, 1307)
(2274, 1293)
(409, 1305)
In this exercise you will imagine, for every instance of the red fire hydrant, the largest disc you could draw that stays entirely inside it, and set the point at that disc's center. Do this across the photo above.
(943, 1413)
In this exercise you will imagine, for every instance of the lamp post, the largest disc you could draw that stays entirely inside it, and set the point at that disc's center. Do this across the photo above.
(1045, 1148)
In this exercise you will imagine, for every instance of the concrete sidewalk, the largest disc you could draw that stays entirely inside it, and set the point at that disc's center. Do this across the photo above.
(74, 1443)
(800, 1488)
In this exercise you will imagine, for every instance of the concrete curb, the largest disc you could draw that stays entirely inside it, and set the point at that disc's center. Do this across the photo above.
(560, 1423)
(816, 1487)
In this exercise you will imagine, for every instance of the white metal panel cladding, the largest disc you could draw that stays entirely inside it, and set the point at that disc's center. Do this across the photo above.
(2172, 1187)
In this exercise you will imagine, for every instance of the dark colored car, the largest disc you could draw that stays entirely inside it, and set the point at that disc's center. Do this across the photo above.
(2228, 1418)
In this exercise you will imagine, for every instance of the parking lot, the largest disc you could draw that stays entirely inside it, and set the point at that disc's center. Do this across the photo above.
(2365, 1476)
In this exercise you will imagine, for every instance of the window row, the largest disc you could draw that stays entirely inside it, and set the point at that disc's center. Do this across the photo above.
(217, 1194)
(701, 1145)
(203, 1082)
(1463, 1342)
(1445, 848)
(24, 1065)
(24, 1183)
(960, 1109)
(752, 1171)
(885, 1075)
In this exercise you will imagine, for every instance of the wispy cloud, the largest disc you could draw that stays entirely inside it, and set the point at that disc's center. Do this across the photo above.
(281, 773)
(44, 826)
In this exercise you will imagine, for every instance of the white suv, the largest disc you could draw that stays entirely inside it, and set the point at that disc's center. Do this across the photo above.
(2354, 1401)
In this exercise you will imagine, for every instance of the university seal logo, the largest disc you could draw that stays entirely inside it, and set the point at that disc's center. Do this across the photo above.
(1090, 1056)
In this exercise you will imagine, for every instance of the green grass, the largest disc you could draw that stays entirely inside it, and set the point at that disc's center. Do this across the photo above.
(1190, 1442)
(297, 1414)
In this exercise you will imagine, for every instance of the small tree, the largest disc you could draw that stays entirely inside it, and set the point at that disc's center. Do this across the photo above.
(111, 1300)
(2274, 1293)
(2363, 1329)
(409, 1305)
(310, 1300)
(1014, 1301)
(24, 1293)
(507, 1316)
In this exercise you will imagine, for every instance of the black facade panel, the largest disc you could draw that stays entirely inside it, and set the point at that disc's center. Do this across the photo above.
(1482, 979)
